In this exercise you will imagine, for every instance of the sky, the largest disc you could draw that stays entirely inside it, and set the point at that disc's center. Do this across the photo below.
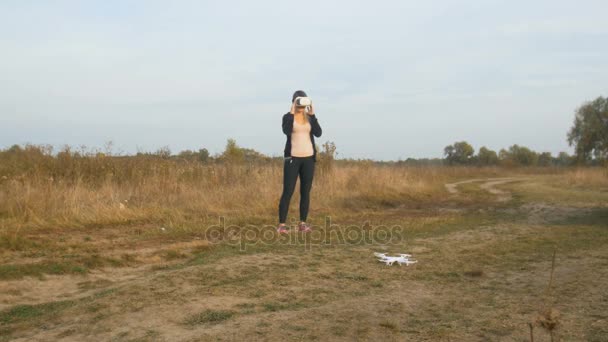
(390, 79)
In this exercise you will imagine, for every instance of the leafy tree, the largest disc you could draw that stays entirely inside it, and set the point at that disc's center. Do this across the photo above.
(589, 133)
(186, 154)
(563, 159)
(420, 161)
(545, 159)
(163, 152)
(232, 152)
(203, 155)
(459, 153)
(486, 156)
(15, 149)
(518, 155)
(251, 155)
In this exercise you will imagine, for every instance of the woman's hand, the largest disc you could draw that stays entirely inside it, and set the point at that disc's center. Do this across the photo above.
(311, 111)
(293, 108)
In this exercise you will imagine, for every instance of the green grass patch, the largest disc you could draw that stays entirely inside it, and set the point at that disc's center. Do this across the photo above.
(209, 317)
(555, 193)
(533, 248)
(595, 217)
(16, 242)
(18, 271)
(389, 325)
(274, 306)
(70, 264)
(35, 312)
(27, 312)
(355, 277)
(173, 254)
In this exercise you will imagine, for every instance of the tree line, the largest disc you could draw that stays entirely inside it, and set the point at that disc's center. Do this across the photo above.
(588, 135)
(462, 153)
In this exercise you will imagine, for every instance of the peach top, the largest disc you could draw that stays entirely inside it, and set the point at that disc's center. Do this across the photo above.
(301, 146)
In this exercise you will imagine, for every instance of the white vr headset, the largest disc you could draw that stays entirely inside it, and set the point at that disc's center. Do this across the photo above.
(303, 101)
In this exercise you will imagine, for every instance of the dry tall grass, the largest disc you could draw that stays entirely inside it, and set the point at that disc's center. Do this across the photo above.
(74, 189)
(586, 177)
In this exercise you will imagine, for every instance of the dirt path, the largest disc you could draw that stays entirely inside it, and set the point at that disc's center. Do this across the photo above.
(489, 186)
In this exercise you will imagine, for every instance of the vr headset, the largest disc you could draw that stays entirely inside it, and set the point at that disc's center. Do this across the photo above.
(303, 101)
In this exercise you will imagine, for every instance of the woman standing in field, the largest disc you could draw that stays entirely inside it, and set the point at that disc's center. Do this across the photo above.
(300, 126)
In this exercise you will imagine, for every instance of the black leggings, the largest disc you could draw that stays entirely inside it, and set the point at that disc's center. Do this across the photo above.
(292, 167)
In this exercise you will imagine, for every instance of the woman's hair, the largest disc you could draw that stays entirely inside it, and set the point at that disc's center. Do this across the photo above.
(298, 93)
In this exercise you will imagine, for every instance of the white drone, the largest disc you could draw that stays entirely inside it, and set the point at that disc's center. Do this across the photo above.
(401, 259)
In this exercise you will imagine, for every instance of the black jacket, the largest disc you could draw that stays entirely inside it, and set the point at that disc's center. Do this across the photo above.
(315, 131)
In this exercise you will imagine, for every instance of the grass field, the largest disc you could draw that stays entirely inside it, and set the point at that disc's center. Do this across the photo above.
(502, 254)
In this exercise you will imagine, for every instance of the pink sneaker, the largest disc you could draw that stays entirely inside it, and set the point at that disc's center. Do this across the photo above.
(304, 227)
(282, 229)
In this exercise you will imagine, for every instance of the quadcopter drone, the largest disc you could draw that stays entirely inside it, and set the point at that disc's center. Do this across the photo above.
(401, 259)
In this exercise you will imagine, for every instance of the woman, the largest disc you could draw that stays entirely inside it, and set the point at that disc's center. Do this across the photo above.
(300, 155)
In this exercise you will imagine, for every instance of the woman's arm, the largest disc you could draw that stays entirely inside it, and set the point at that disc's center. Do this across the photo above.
(315, 127)
(288, 123)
